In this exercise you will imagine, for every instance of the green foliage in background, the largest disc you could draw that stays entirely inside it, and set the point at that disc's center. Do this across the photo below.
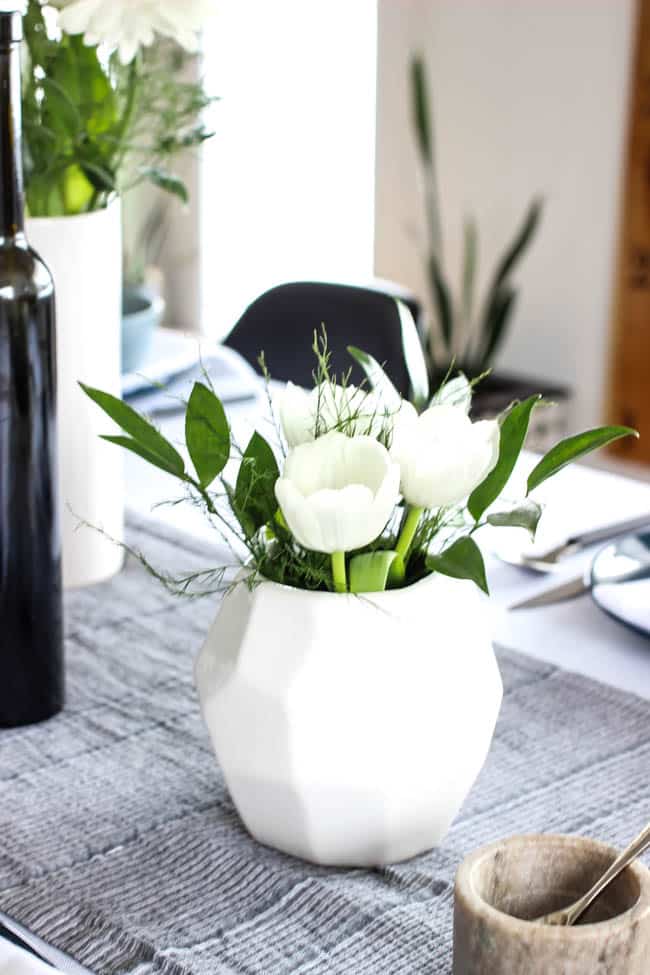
(467, 333)
(93, 128)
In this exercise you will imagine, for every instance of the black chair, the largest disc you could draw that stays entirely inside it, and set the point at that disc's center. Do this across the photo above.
(281, 323)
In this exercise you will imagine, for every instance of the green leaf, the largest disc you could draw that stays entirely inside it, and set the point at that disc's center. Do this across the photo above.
(369, 572)
(462, 560)
(416, 364)
(442, 298)
(468, 271)
(523, 238)
(525, 515)
(137, 448)
(455, 392)
(572, 448)
(497, 316)
(142, 432)
(377, 378)
(501, 297)
(514, 428)
(167, 182)
(420, 107)
(207, 434)
(254, 498)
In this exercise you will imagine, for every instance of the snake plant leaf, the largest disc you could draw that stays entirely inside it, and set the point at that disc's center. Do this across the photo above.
(514, 428)
(421, 110)
(522, 239)
(497, 317)
(139, 429)
(443, 303)
(524, 515)
(254, 497)
(377, 378)
(462, 560)
(416, 364)
(468, 270)
(369, 571)
(207, 434)
(454, 392)
(572, 448)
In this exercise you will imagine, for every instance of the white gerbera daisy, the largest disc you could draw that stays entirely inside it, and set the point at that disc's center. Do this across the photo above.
(130, 24)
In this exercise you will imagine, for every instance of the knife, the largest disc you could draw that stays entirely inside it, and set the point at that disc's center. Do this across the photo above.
(565, 590)
(584, 583)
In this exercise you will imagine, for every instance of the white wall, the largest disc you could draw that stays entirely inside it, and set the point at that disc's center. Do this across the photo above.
(530, 96)
(287, 184)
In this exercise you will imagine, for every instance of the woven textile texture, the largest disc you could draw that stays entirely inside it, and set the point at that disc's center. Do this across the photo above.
(120, 845)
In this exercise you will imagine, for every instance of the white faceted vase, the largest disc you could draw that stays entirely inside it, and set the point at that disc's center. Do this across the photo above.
(350, 728)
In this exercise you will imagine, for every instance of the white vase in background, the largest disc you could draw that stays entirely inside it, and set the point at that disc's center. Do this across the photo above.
(350, 728)
(84, 254)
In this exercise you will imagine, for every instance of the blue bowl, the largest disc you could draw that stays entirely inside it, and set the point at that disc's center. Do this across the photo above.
(142, 313)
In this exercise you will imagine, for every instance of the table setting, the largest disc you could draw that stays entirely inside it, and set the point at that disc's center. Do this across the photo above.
(132, 850)
(315, 672)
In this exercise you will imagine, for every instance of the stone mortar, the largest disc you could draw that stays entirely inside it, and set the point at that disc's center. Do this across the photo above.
(500, 887)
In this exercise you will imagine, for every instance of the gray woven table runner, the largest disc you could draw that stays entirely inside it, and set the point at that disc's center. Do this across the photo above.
(120, 845)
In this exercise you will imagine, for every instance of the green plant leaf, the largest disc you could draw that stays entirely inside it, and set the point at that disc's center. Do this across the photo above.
(420, 108)
(369, 572)
(455, 392)
(462, 560)
(416, 364)
(167, 182)
(137, 448)
(139, 429)
(514, 428)
(377, 378)
(522, 239)
(572, 448)
(501, 297)
(442, 298)
(254, 497)
(468, 270)
(497, 317)
(207, 434)
(524, 515)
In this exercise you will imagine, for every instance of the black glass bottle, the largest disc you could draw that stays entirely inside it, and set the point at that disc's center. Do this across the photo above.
(31, 647)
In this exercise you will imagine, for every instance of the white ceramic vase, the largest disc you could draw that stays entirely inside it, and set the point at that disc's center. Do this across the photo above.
(84, 254)
(350, 728)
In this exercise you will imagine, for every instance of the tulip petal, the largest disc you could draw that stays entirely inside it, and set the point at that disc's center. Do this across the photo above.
(295, 415)
(443, 455)
(338, 493)
(299, 515)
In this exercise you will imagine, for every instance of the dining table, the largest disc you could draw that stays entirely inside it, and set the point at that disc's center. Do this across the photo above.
(573, 635)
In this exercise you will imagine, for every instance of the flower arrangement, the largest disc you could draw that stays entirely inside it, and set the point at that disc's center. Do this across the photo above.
(469, 336)
(107, 100)
(360, 492)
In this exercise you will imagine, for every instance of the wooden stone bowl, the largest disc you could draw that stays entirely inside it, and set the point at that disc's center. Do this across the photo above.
(501, 887)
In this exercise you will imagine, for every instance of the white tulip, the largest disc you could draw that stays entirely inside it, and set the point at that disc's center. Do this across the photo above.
(337, 493)
(347, 409)
(130, 24)
(443, 456)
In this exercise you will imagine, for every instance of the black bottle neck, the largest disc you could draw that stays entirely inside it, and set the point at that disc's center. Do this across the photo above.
(12, 196)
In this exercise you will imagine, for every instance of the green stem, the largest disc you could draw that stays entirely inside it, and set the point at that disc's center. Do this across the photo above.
(407, 533)
(338, 572)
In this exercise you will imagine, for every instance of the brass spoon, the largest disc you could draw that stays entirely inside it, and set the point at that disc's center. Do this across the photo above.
(569, 915)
